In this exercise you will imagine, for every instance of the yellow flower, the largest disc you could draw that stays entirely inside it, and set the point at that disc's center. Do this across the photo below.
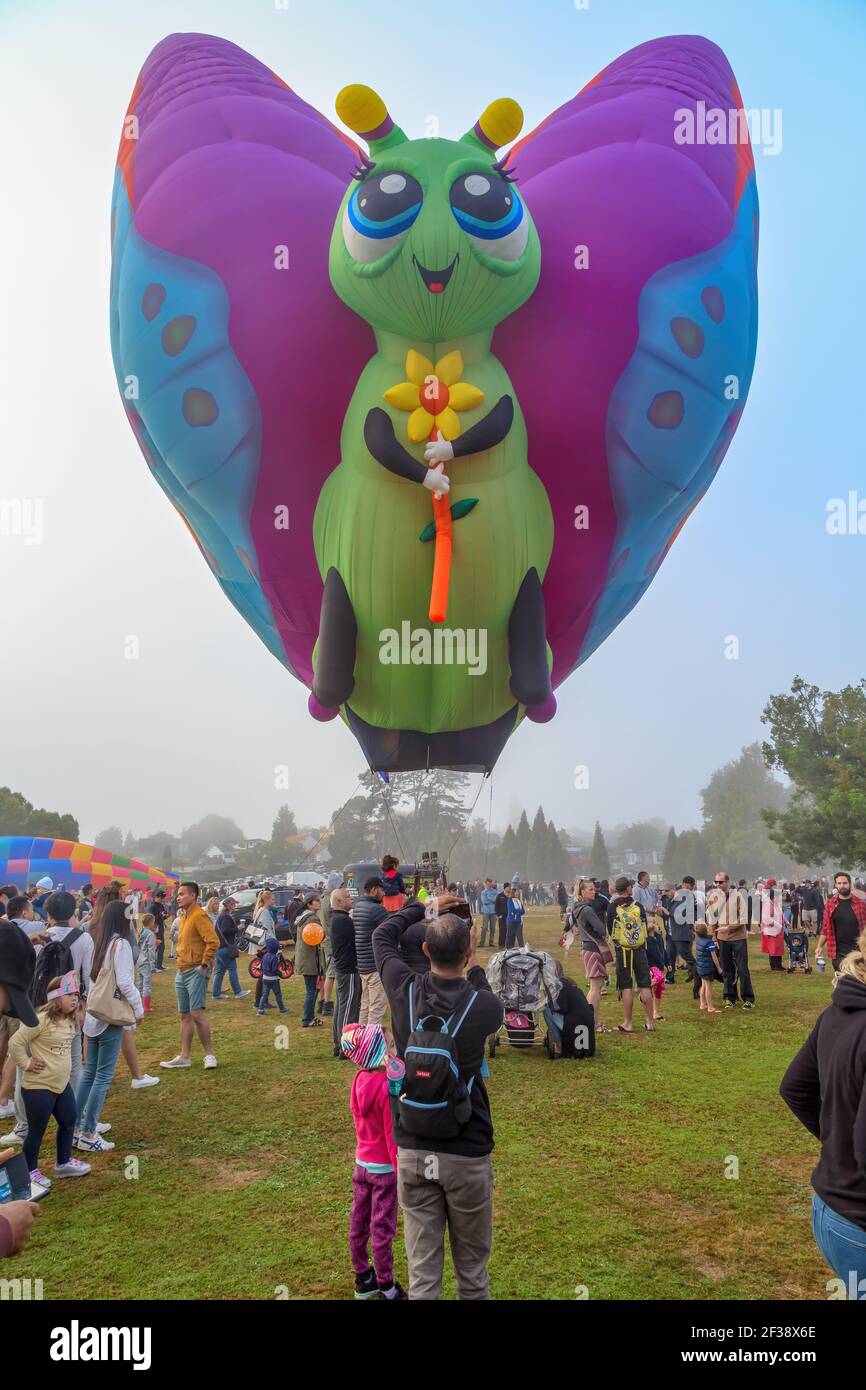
(434, 395)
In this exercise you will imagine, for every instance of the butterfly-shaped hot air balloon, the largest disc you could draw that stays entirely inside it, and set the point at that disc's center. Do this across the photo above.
(434, 410)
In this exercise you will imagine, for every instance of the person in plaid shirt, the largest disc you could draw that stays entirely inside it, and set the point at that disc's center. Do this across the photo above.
(844, 920)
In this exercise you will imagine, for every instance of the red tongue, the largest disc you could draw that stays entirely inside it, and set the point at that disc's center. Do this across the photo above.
(436, 288)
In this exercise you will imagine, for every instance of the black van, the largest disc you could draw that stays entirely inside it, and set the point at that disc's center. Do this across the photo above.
(356, 875)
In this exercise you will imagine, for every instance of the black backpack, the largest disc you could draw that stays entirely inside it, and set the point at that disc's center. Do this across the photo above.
(54, 960)
(435, 1102)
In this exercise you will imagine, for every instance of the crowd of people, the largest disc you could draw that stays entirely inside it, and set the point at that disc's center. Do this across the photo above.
(76, 976)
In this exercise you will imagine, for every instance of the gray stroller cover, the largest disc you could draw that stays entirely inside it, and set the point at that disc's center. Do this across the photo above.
(518, 978)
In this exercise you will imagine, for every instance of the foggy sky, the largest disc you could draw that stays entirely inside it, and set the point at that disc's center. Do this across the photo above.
(203, 718)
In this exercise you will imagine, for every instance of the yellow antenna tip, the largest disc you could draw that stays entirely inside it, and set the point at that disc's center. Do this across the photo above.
(501, 122)
(361, 109)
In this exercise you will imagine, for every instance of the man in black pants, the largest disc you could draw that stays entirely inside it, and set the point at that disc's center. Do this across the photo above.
(681, 933)
(727, 915)
(501, 909)
(158, 909)
(347, 1004)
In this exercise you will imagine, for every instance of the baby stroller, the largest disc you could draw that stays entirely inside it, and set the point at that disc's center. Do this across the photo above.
(525, 981)
(797, 941)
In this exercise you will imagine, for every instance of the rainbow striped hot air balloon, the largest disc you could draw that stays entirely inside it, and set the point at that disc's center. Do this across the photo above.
(26, 858)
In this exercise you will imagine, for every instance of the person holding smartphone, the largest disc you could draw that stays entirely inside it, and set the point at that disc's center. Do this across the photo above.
(444, 1182)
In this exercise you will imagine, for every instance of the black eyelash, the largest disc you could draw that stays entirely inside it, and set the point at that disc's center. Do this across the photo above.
(365, 167)
(507, 175)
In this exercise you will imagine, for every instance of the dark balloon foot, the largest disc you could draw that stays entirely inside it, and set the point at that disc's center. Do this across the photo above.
(322, 712)
(543, 713)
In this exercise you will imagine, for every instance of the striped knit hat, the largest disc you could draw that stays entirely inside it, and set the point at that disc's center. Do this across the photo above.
(365, 1046)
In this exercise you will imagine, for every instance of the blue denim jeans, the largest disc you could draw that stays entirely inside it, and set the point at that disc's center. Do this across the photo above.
(555, 1021)
(225, 963)
(310, 985)
(271, 987)
(102, 1054)
(842, 1244)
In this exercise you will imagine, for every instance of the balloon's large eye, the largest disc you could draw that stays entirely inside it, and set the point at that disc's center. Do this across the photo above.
(490, 211)
(378, 213)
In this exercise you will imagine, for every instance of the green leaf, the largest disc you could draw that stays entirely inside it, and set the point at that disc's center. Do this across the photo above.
(458, 510)
(463, 508)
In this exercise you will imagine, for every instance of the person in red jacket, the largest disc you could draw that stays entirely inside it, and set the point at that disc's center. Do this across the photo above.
(844, 920)
(374, 1182)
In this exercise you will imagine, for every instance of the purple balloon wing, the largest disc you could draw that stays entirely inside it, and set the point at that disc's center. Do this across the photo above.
(632, 361)
(234, 357)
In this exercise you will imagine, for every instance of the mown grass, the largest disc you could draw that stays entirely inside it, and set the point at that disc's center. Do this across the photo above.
(610, 1173)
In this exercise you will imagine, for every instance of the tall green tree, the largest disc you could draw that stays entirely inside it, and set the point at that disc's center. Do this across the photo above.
(353, 840)
(522, 834)
(642, 835)
(599, 859)
(210, 830)
(692, 856)
(283, 827)
(18, 816)
(735, 829)
(538, 850)
(669, 858)
(111, 839)
(508, 854)
(818, 739)
(557, 856)
(433, 812)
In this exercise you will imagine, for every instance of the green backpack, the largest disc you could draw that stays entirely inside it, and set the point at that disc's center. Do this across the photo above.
(629, 928)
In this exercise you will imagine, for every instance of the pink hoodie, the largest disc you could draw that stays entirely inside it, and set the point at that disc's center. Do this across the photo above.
(371, 1111)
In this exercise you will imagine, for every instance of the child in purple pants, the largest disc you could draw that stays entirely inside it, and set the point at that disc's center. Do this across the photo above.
(373, 1221)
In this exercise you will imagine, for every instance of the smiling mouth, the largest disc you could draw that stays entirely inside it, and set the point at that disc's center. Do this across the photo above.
(436, 280)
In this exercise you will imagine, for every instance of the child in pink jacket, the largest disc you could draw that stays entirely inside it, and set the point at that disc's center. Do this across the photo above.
(374, 1182)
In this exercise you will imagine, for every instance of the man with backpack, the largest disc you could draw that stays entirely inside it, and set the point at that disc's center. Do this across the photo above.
(442, 1123)
(627, 927)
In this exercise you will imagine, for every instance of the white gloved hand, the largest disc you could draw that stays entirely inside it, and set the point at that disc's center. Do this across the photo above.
(439, 451)
(436, 481)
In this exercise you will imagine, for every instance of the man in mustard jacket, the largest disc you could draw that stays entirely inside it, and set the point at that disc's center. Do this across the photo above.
(197, 944)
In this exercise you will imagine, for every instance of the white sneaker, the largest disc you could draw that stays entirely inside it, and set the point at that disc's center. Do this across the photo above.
(102, 1127)
(241, 995)
(96, 1145)
(16, 1137)
(73, 1169)
(210, 1062)
(177, 1061)
(140, 1082)
(7, 1109)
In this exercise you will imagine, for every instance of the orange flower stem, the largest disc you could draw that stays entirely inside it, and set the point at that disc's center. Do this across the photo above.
(441, 555)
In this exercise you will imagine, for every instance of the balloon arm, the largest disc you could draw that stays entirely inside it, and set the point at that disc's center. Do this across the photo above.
(489, 431)
(386, 449)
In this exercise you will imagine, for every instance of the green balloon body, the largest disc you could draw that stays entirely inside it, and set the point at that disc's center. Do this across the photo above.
(369, 522)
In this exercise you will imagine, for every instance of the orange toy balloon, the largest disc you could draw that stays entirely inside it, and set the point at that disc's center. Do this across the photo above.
(313, 934)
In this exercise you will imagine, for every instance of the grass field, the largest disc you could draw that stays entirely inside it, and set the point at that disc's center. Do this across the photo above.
(610, 1173)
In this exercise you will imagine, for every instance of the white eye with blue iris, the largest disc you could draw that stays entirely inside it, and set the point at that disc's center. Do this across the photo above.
(380, 211)
(490, 211)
